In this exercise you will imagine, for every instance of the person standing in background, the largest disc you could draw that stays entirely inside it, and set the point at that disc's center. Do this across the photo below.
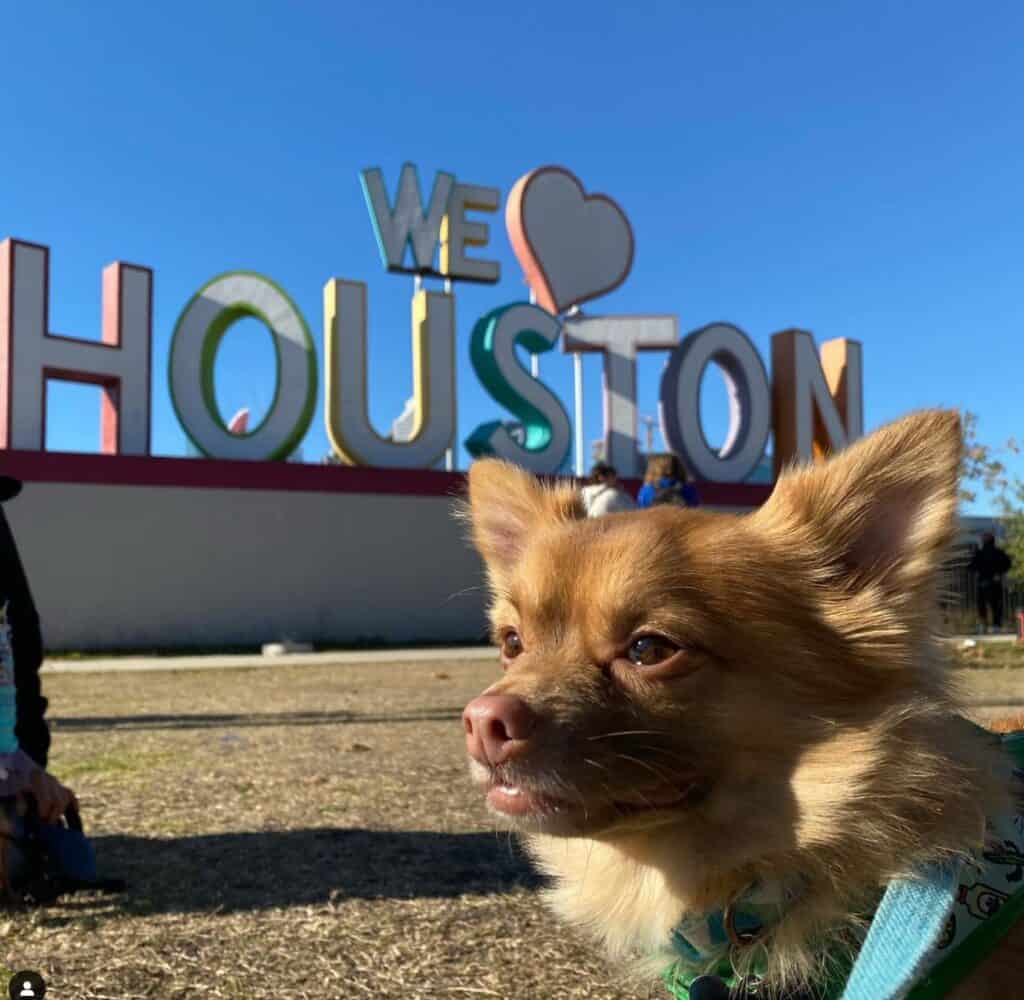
(24, 733)
(990, 563)
(666, 482)
(603, 494)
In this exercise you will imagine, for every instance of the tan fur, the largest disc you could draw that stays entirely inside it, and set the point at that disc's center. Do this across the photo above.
(1008, 723)
(814, 710)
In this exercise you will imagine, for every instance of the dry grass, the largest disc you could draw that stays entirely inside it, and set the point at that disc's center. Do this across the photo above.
(991, 679)
(302, 832)
(989, 655)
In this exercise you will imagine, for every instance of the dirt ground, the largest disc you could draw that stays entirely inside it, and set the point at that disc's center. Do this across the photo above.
(300, 832)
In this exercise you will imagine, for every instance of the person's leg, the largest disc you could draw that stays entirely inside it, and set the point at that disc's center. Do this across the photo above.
(996, 600)
(982, 595)
(32, 730)
(27, 645)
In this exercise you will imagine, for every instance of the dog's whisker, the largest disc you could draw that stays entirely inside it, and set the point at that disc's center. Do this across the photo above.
(631, 732)
(669, 754)
(586, 864)
(476, 588)
(658, 773)
(608, 794)
(573, 791)
(604, 786)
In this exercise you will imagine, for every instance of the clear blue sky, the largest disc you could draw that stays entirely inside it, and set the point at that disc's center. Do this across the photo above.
(856, 170)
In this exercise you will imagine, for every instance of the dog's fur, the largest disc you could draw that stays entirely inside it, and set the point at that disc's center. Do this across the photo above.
(809, 724)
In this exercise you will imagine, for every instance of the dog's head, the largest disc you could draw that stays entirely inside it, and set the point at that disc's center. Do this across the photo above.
(668, 664)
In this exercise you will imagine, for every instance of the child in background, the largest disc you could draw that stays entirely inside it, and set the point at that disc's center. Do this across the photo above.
(603, 495)
(666, 482)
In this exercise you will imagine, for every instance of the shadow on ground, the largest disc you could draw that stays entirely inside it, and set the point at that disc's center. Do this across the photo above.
(104, 723)
(236, 872)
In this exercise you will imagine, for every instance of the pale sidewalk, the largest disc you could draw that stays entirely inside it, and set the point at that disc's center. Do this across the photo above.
(248, 661)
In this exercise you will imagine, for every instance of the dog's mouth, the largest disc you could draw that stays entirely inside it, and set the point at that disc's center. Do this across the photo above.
(517, 800)
(520, 802)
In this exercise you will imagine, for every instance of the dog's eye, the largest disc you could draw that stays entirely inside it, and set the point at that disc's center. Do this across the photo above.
(511, 645)
(650, 650)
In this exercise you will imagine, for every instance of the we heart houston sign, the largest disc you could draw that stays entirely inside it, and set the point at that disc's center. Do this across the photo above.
(574, 246)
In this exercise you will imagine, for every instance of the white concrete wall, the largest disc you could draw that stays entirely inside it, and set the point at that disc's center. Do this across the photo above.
(160, 567)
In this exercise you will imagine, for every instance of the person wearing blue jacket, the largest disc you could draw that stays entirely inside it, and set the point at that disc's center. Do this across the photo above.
(666, 483)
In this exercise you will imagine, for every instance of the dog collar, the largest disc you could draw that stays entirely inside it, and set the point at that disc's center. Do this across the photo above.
(702, 939)
(927, 934)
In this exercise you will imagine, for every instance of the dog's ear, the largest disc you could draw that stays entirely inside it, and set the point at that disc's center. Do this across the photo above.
(879, 515)
(506, 503)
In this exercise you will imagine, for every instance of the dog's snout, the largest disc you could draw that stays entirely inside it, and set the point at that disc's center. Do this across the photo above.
(498, 727)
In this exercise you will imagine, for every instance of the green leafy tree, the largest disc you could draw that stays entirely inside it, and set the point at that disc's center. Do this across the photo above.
(982, 468)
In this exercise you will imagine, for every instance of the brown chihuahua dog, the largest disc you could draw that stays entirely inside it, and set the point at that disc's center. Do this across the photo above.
(696, 703)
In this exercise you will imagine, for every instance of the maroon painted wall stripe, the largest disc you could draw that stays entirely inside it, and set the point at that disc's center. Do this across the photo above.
(203, 473)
